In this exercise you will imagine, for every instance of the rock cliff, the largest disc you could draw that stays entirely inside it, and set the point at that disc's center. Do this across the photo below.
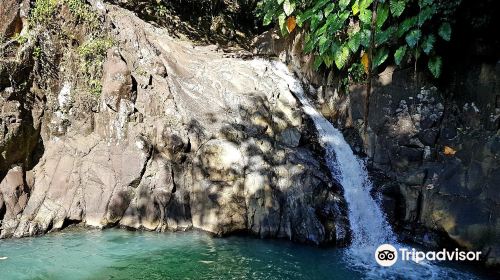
(171, 136)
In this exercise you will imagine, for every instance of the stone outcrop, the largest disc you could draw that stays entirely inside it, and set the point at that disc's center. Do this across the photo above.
(13, 15)
(439, 162)
(181, 137)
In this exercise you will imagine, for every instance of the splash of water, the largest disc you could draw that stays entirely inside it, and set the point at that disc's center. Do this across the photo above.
(368, 222)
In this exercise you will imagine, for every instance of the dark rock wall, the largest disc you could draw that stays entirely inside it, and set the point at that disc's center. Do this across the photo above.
(432, 145)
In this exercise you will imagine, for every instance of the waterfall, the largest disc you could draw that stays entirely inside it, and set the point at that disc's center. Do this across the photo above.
(368, 222)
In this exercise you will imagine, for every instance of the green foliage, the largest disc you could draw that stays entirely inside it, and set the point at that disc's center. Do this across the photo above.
(83, 13)
(445, 31)
(399, 54)
(380, 56)
(413, 37)
(160, 9)
(341, 56)
(434, 66)
(95, 87)
(340, 32)
(96, 48)
(397, 7)
(92, 54)
(428, 44)
(37, 52)
(42, 11)
(46, 16)
(21, 39)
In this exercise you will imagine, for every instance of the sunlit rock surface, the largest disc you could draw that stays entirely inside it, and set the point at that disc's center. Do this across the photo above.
(181, 137)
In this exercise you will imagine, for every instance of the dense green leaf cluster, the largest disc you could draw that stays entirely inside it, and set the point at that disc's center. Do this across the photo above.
(43, 11)
(339, 32)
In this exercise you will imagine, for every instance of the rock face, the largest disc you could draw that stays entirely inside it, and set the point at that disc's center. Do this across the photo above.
(441, 162)
(12, 15)
(180, 137)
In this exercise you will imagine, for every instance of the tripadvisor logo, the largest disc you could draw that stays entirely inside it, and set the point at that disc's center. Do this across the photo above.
(387, 255)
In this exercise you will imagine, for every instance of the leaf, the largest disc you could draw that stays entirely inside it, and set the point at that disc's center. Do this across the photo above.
(343, 16)
(282, 24)
(399, 54)
(397, 7)
(434, 66)
(335, 47)
(423, 3)
(309, 44)
(365, 37)
(382, 15)
(331, 23)
(364, 4)
(365, 16)
(305, 16)
(329, 9)
(413, 37)
(328, 60)
(380, 57)
(449, 151)
(364, 61)
(315, 20)
(445, 31)
(355, 8)
(354, 42)
(406, 25)
(341, 57)
(317, 62)
(344, 3)
(289, 7)
(382, 36)
(428, 44)
(268, 18)
(324, 43)
(291, 24)
(425, 15)
(320, 4)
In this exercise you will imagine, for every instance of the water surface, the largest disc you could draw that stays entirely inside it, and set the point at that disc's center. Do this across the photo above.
(119, 254)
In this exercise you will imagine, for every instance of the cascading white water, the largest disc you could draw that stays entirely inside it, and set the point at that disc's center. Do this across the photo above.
(368, 223)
